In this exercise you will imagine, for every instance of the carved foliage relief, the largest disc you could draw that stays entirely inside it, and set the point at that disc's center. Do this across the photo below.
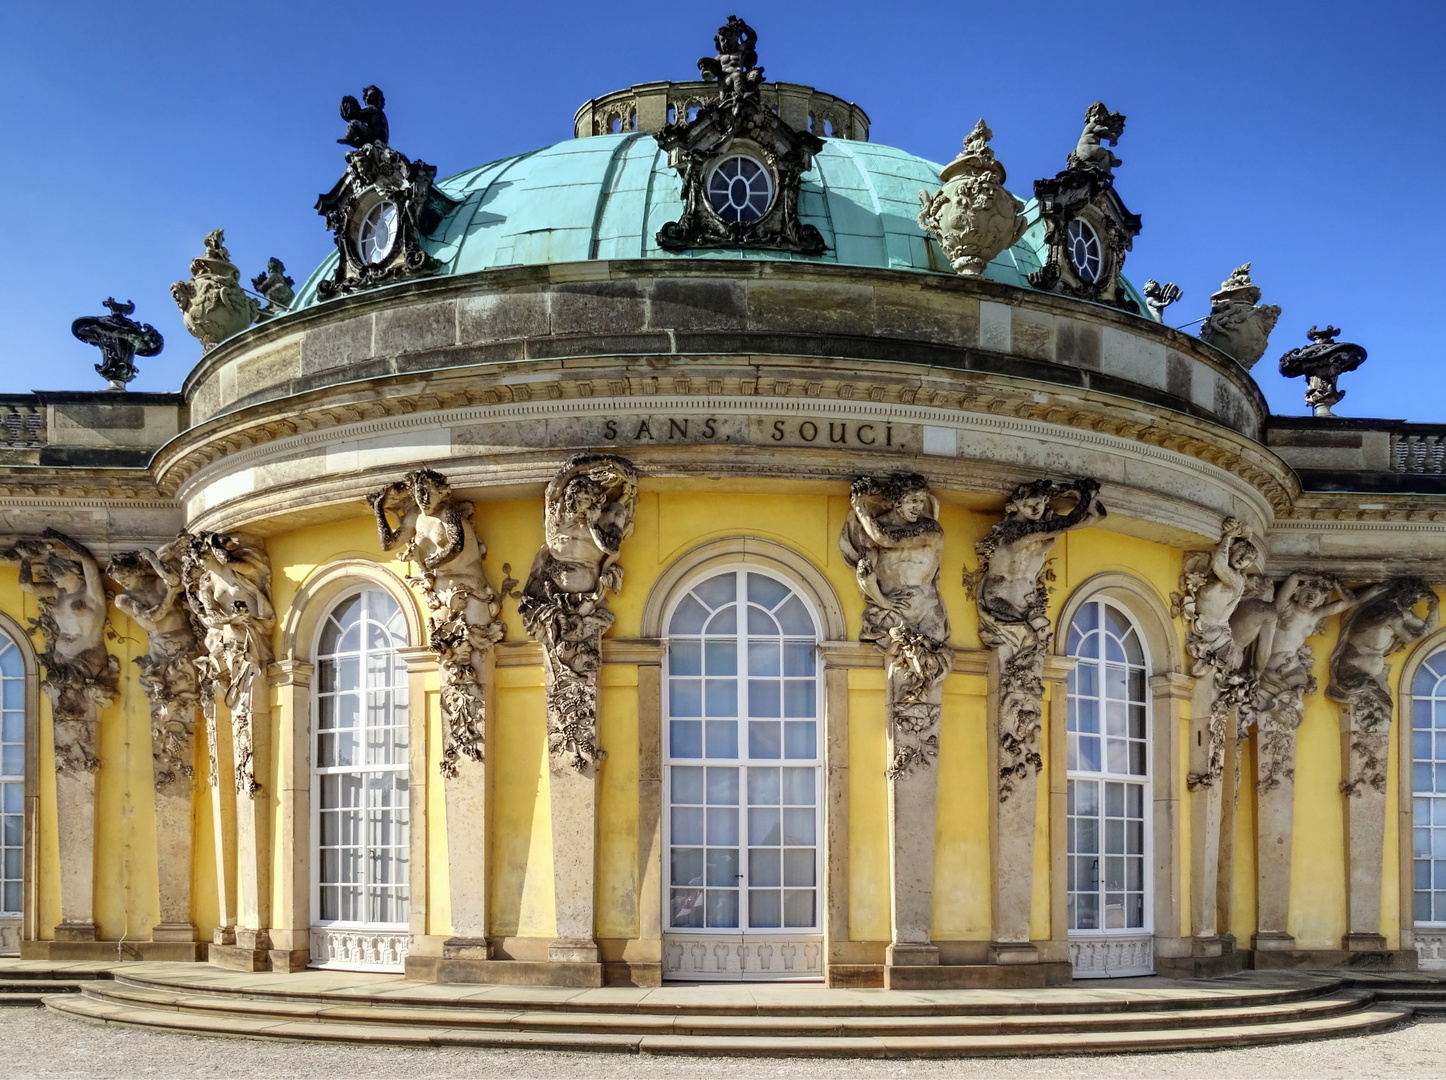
(895, 545)
(434, 529)
(591, 501)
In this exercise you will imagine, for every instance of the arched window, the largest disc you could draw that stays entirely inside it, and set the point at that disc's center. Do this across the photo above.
(743, 778)
(1428, 784)
(12, 793)
(1108, 794)
(359, 787)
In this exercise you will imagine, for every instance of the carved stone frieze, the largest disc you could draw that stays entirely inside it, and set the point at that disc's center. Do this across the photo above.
(213, 304)
(80, 677)
(120, 340)
(1087, 228)
(1385, 620)
(589, 513)
(1212, 586)
(154, 597)
(741, 165)
(1322, 362)
(1011, 591)
(435, 530)
(895, 545)
(228, 588)
(1238, 324)
(972, 216)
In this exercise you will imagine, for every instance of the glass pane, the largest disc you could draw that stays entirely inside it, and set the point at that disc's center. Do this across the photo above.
(722, 828)
(687, 908)
(719, 590)
(722, 786)
(689, 618)
(722, 738)
(763, 658)
(685, 658)
(720, 657)
(722, 866)
(798, 697)
(721, 697)
(799, 659)
(799, 866)
(794, 618)
(14, 694)
(798, 787)
(765, 908)
(685, 697)
(763, 826)
(763, 786)
(687, 783)
(724, 623)
(722, 907)
(10, 662)
(798, 905)
(764, 867)
(766, 591)
(687, 827)
(799, 826)
(799, 737)
(685, 738)
(763, 697)
(761, 623)
(764, 739)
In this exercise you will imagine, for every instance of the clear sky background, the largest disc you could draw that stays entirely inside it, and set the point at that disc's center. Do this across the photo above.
(1305, 137)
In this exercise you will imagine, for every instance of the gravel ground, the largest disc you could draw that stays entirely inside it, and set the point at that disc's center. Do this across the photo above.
(37, 1043)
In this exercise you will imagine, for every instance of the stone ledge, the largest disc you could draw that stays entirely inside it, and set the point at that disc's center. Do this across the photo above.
(977, 976)
(114, 951)
(512, 972)
(1316, 959)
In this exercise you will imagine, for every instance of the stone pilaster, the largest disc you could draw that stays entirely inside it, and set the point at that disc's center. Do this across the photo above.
(223, 827)
(291, 926)
(1274, 830)
(469, 822)
(1014, 800)
(75, 824)
(913, 806)
(1168, 695)
(1364, 749)
(1205, 821)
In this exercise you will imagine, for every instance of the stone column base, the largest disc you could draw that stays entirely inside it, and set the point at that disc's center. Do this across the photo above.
(75, 931)
(236, 958)
(1207, 946)
(1359, 942)
(173, 932)
(1272, 941)
(224, 935)
(570, 951)
(907, 954)
(460, 948)
(1011, 952)
(289, 961)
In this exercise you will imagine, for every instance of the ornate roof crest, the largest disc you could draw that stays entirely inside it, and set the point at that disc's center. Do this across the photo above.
(1322, 362)
(119, 339)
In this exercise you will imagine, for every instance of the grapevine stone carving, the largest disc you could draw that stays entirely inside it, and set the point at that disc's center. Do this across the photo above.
(1212, 586)
(895, 545)
(1012, 593)
(972, 215)
(80, 676)
(213, 304)
(1384, 621)
(228, 587)
(1238, 324)
(435, 529)
(154, 597)
(589, 513)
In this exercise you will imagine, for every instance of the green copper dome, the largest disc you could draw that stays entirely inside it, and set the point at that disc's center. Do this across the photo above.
(606, 197)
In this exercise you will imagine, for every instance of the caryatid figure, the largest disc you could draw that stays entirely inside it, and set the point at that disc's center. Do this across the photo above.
(589, 513)
(895, 544)
(1012, 598)
(154, 598)
(80, 676)
(435, 529)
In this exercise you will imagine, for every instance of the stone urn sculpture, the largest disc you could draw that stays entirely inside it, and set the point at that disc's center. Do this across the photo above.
(1238, 324)
(213, 304)
(972, 216)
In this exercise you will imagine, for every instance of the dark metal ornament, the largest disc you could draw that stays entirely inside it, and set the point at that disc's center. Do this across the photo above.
(1322, 362)
(119, 340)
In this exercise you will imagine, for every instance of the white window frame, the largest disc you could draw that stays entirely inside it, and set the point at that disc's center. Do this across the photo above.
(18, 681)
(1436, 658)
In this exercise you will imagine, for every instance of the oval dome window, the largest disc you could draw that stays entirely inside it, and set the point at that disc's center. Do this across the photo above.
(740, 189)
(1084, 250)
(377, 233)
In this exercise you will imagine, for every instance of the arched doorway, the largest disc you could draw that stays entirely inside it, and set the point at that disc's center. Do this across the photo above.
(742, 780)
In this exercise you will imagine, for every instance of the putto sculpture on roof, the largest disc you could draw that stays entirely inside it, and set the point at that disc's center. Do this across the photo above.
(120, 340)
(740, 164)
(381, 208)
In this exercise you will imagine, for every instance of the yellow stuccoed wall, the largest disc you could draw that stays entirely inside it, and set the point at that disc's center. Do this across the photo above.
(668, 525)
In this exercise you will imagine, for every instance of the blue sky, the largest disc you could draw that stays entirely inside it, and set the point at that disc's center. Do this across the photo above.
(1305, 137)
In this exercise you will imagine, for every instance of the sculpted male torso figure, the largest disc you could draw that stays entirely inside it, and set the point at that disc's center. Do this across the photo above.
(1217, 597)
(900, 575)
(1384, 622)
(73, 585)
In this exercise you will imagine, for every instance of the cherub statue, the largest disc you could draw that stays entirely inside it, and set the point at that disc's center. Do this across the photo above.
(213, 304)
(276, 287)
(590, 504)
(154, 598)
(735, 65)
(895, 544)
(1238, 324)
(1158, 297)
(1100, 126)
(1011, 594)
(367, 123)
(80, 676)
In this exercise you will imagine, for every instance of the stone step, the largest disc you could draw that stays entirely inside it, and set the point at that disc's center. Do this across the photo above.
(279, 1026)
(38, 987)
(561, 1020)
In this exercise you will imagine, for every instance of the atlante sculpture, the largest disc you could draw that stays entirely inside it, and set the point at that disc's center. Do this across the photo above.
(972, 216)
(895, 545)
(1012, 594)
(365, 123)
(80, 676)
(120, 340)
(1322, 362)
(435, 529)
(153, 597)
(589, 513)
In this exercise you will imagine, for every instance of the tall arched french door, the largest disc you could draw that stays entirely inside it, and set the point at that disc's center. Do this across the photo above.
(1109, 803)
(12, 795)
(1428, 809)
(360, 825)
(743, 782)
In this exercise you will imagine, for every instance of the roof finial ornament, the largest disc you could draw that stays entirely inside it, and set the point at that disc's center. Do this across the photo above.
(1238, 324)
(972, 215)
(1322, 362)
(119, 340)
(213, 304)
(735, 66)
(365, 123)
(1100, 125)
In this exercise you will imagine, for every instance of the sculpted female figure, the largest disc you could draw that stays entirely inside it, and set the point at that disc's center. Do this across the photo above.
(1384, 622)
(80, 676)
(896, 547)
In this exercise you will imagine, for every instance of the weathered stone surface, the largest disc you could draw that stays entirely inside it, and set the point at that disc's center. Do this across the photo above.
(415, 328)
(586, 307)
(824, 309)
(336, 345)
(697, 304)
(509, 313)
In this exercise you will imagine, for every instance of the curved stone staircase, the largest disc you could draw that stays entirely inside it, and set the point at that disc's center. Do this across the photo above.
(753, 1019)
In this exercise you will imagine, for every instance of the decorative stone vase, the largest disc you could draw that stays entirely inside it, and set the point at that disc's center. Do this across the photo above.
(972, 216)
(1238, 324)
(213, 304)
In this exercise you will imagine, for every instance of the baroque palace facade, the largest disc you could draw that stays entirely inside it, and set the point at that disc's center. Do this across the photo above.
(977, 629)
